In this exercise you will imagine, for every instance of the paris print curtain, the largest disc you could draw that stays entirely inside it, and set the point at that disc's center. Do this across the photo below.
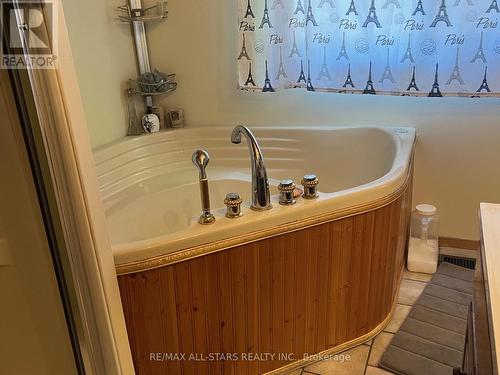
(399, 47)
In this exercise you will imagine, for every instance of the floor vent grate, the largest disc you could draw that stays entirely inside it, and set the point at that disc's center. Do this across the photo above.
(459, 261)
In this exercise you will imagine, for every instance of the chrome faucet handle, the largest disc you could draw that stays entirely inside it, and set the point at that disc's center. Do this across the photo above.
(200, 159)
(233, 204)
(286, 189)
(310, 184)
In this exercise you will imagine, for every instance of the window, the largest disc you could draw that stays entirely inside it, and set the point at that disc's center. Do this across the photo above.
(397, 47)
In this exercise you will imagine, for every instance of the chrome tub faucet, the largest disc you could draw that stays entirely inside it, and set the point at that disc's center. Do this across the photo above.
(200, 159)
(261, 197)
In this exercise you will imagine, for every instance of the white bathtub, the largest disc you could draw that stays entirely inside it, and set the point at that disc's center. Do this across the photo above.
(150, 190)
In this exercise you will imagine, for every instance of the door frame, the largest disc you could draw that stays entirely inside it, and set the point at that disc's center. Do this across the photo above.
(54, 114)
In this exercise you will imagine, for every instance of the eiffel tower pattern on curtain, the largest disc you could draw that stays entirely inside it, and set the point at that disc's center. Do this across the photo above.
(433, 48)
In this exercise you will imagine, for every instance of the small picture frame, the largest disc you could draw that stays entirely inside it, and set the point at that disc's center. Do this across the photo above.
(176, 118)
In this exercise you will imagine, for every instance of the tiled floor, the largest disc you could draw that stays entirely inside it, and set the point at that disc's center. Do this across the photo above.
(363, 359)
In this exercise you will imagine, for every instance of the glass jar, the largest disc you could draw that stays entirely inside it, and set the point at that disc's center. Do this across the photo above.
(423, 252)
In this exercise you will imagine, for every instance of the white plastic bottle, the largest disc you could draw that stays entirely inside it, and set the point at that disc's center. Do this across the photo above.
(423, 252)
(150, 121)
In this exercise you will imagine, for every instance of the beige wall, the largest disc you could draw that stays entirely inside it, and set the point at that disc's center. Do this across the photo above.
(104, 60)
(459, 139)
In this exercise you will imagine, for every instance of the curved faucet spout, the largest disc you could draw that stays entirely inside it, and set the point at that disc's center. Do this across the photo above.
(261, 198)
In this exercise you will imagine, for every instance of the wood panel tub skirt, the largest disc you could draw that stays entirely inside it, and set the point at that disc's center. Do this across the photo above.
(260, 307)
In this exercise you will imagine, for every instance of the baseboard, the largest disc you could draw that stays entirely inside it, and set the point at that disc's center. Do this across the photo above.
(459, 243)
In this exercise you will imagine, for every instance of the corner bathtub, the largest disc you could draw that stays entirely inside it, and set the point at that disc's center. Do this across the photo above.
(315, 277)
